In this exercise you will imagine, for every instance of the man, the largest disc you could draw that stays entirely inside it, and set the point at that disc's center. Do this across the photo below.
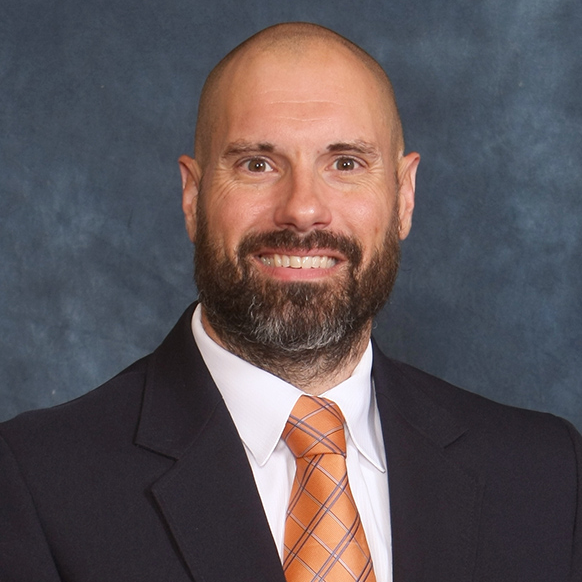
(184, 466)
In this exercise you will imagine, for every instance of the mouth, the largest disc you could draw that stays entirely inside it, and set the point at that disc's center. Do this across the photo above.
(297, 261)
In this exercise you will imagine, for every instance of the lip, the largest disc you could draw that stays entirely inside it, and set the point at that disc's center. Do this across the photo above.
(299, 265)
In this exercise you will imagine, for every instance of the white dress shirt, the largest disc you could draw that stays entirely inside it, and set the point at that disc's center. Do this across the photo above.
(260, 404)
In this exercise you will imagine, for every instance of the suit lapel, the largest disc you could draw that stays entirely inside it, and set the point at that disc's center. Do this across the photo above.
(211, 506)
(208, 499)
(434, 501)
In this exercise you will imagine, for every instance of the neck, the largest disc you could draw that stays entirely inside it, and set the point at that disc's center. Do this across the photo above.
(313, 371)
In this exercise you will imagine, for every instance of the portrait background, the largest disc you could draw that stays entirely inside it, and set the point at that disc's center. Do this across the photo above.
(98, 99)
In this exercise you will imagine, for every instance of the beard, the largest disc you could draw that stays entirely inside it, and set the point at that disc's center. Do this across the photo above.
(295, 330)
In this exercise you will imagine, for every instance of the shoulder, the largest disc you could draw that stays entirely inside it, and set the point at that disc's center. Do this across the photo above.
(113, 406)
(446, 447)
(98, 415)
(436, 408)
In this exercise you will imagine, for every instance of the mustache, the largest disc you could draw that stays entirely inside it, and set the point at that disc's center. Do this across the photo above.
(288, 240)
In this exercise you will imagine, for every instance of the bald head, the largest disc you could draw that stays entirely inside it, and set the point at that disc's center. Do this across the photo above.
(296, 39)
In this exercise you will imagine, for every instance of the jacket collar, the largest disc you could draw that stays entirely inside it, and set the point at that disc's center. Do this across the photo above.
(435, 501)
(179, 394)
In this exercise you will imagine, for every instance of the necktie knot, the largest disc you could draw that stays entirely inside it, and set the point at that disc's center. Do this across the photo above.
(315, 427)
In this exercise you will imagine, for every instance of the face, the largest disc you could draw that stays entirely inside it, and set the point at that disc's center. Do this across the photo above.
(301, 200)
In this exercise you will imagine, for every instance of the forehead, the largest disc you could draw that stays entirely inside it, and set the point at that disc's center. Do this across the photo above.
(303, 90)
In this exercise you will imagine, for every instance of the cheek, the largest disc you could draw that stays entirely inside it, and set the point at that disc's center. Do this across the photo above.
(369, 220)
(232, 213)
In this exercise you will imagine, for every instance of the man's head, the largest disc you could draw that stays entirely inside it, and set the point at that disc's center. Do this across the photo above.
(297, 198)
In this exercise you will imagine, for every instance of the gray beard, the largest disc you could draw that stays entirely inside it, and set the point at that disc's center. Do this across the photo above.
(295, 330)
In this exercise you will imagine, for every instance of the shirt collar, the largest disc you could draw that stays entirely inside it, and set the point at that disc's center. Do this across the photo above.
(260, 403)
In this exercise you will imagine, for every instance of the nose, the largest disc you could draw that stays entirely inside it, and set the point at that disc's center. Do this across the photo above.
(302, 205)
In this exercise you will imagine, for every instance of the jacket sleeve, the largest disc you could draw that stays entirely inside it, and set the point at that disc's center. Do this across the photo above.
(25, 555)
(576, 569)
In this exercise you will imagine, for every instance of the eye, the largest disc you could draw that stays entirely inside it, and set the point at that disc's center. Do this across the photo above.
(345, 164)
(257, 165)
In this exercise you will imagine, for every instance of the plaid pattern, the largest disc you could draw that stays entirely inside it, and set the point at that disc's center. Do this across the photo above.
(324, 537)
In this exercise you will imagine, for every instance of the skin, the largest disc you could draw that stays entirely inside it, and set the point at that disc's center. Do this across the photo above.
(300, 141)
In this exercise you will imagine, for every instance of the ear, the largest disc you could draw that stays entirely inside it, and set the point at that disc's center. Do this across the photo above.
(191, 175)
(407, 166)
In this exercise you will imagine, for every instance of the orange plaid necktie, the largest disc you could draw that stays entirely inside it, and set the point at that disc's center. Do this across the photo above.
(324, 537)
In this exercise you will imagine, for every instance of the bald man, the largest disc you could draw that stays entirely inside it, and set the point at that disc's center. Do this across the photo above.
(184, 466)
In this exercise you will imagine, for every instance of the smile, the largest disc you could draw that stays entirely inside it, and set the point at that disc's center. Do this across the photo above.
(298, 262)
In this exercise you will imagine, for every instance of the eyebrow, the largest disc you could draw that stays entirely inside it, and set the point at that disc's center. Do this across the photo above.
(358, 147)
(239, 147)
(244, 147)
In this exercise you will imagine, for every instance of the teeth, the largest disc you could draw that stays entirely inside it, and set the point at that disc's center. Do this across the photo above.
(297, 262)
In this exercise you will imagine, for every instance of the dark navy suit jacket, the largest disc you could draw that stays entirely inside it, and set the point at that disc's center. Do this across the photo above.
(145, 479)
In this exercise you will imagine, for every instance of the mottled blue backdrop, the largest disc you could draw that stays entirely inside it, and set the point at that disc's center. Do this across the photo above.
(98, 100)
